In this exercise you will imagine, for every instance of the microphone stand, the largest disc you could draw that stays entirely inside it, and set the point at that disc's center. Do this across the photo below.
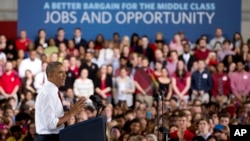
(100, 107)
(157, 97)
(162, 129)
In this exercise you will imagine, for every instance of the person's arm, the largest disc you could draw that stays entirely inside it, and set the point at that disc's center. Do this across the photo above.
(15, 90)
(209, 83)
(74, 110)
(233, 85)
(98, 91)
(131, 88)
(188, 84)
(138, 86)
(247, 89)
(193, 81)
(97, 88)
(21, 69)
(37, 83)
(170, 91)
(109, 83)
(106, 90)
(91, 88)
(228, 88)
(3, 92)
(176, 90)
(48, 110)
(75, 88)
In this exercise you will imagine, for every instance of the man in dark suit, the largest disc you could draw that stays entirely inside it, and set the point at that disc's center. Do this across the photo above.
(78, 40)
(145, 49)
(187, 57)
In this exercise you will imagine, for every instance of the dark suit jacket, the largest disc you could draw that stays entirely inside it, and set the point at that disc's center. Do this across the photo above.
(148, 53)
(190, 61)
(83, 43)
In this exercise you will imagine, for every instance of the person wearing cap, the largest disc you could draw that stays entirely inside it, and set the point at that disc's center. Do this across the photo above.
(221, 132)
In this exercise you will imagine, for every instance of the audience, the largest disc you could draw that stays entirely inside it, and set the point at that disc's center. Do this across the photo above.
(193, 90)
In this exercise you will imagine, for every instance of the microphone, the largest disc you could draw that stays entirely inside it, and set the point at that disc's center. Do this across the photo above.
(96, 100)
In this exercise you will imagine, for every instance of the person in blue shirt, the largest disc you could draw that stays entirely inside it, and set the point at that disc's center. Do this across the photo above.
(201, 83)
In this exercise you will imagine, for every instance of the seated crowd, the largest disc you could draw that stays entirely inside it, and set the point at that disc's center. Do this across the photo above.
(194, 91)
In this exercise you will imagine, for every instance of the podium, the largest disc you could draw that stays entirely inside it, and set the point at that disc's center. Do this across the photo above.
(90, 130)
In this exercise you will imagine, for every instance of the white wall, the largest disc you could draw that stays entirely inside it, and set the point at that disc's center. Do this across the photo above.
(245, 23)
(8, 10)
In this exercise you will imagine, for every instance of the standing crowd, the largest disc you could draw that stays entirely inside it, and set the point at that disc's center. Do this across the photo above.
(194, 91)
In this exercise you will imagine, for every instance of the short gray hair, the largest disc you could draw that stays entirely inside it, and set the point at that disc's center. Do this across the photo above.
(52, 66)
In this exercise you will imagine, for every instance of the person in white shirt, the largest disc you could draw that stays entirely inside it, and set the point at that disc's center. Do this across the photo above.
(106, 54)
(49, 115)
(218, 38)
(84, 87)
(125, 87)
(32, 63)
(3, 57)
(41, 78)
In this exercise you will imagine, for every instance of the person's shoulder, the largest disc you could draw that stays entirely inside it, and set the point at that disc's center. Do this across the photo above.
(188, 74)
(195, 73)
(38, 60)
(174, 75)
(11, 139)
(189, 134)
(89, 81)
(174, 135)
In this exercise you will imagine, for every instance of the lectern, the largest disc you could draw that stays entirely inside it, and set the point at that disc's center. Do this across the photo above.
(90, 130)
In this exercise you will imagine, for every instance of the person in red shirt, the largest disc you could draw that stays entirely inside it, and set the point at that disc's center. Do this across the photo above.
(221, 85)
(9, 82)
(202, 52)
(182, 133)
(72, 50)
(73, 66)
(23, 42)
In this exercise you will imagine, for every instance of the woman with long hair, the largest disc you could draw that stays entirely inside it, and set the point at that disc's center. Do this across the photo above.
(181, 82)
(165, 86)
(125, 52)
(99, 41)
(134, 42)
(41, 38)
(103, 84)
(244, 51)
(237, 41)
(31, 132)
(28, 83)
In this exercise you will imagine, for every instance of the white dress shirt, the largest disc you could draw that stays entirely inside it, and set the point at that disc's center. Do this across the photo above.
(77, 40)
(39, 81)
(48, 110)
(105, 56)
(27, 64)
(3, 56)
(84, 88)
(186, 57)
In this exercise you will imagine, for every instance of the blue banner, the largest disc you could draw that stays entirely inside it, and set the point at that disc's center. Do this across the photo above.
(145, 17)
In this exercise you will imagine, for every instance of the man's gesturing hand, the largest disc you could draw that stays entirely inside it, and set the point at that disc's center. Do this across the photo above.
(78, 106)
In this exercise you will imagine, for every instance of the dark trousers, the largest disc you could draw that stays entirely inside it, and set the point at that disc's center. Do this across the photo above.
(50, 137)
